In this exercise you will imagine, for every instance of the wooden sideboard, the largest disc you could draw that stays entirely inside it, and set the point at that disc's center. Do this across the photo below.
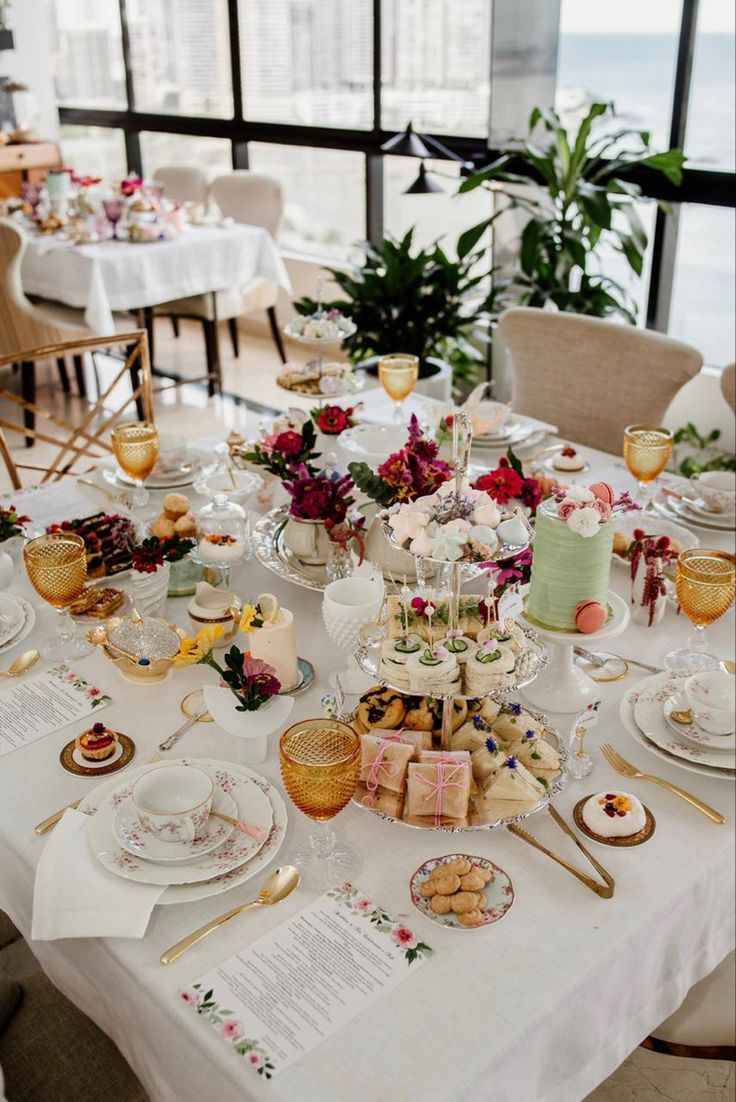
(31, 162)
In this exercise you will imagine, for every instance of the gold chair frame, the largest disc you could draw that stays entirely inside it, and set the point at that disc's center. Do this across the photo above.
(85, 440)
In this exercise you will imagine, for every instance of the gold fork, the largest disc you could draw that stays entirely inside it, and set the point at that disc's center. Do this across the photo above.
(626, 769)
(47, 824)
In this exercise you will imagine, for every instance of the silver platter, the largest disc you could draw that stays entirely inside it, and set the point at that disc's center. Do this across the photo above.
(368, 656)
(470, 569)
(268, 542)
(551, 736)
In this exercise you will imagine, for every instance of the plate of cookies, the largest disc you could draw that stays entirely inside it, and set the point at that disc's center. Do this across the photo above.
(461, 892)
(504, 762)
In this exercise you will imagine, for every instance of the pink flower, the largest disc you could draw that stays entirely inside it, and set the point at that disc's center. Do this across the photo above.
(566, 508)
(255, 1059)
(403, 937)
(71, 677)
(231, 1030)
(93, 693)
(346, 886)
(268, 442)
(364, 906)
(191, 998)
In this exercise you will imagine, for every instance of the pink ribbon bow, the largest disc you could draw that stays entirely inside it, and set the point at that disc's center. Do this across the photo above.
(390, 769)
(437, 787)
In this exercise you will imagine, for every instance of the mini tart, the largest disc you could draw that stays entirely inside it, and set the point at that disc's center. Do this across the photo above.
(622, 841)
(97, 744)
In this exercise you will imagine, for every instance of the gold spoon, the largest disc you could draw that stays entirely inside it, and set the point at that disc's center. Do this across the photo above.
(22, 663)
(684, 716)
(276, 887)
(727, 665)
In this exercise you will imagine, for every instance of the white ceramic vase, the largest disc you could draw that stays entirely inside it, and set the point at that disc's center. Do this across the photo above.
(149, 590)
(251, 729)
(642, 613)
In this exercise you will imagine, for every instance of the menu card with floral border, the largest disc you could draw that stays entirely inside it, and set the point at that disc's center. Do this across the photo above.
(277, 999)
(45, 703)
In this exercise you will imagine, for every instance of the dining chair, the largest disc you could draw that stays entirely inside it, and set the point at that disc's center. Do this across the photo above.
(704, 1025)
(183, 183)
(255, 200)
(728, 385)
(88, 441)
(589, 376)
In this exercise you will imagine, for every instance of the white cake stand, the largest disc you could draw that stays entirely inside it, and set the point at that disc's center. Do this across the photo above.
(562, 686)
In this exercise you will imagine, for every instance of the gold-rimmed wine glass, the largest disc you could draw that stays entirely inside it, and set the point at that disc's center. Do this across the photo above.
(320, 768)
(706, 584)
(56, 565)
(135, 446)
(398, 373)
(647, 451)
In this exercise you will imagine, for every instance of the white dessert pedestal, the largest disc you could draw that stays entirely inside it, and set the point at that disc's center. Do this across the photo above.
(562, 686)
(252, 729)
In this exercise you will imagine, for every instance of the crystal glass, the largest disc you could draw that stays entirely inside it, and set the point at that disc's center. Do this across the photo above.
(320, 768)
(135, 446)
(223, 536)
(113, 209)
(57, 569)
(647, 451)
(398, 373)
(706, 583)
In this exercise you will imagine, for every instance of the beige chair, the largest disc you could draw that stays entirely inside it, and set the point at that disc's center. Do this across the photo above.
(183, 183)
(257, 201)
(704, 1025)
(728, 385)
(592, 377)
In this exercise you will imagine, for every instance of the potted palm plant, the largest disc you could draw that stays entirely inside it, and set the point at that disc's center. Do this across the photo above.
(576, 192)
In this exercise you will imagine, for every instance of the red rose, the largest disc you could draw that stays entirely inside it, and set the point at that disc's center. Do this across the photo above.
(332, 420)
(288, 444)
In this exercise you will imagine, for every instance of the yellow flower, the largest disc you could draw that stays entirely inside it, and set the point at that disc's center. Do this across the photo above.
(192, 651)
(250, 613)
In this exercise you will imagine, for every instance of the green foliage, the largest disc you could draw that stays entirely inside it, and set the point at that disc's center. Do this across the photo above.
(406, 299)
(584, 200)
(371, 484)
(705, 461)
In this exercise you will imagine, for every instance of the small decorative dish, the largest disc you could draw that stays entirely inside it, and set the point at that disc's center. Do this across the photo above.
(431, 891)
(625, 841)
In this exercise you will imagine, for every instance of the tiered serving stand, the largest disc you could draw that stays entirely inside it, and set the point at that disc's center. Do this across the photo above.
(369, 650)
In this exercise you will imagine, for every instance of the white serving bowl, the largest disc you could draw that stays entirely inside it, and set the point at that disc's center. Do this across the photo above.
(712, 699)
(717, 489)
(372, 444)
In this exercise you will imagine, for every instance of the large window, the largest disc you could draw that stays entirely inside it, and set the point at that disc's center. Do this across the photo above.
(180, 56)
(310, 91)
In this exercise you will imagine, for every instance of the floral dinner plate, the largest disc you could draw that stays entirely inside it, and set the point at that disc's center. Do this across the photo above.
(650, 718)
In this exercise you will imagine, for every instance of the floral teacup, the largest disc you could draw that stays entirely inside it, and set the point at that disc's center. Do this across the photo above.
(173, 802)
(711, 697)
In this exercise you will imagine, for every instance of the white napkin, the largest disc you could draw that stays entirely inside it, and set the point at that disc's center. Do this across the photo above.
(74, 896)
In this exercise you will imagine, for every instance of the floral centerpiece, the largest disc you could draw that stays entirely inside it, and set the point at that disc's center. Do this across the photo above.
(252, 681)
(318, 514)
(585, 510)
(332, 420)
(151, 568)
(507, 482)
(283, 453)
(412, 472)
(130, 185)
(649, 556)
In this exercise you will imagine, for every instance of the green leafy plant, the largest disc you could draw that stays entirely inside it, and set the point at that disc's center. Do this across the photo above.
(575, 191)
(703, 459)
(417, 300)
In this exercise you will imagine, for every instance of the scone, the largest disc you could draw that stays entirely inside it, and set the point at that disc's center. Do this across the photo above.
(175, 506)
(381, 707)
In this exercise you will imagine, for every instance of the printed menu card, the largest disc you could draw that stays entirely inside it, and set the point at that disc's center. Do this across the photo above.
(45, 703)
(280, 997)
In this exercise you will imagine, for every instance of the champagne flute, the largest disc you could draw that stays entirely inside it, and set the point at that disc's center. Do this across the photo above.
(647, 451)
(398, 373)
(57, 569)
(706, 583)
(320, 768)
(135, 446)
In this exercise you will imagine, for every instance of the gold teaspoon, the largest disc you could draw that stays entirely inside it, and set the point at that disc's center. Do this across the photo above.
(20, 664)
(276, 887)
(684, 716)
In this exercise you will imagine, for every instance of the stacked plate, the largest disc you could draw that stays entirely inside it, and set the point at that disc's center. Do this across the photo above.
(220, 858)
(646, 713)
(172, 478)
(17, 617)
(692, 508)
(514, 432)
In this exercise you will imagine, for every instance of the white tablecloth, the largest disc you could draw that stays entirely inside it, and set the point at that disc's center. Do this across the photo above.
(538, 1008)
(118, 275)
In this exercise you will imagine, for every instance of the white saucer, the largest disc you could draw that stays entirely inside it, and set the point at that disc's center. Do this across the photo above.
(136, 840)
(678, 703)
(700, 507)
(650, 718)
(29, 621)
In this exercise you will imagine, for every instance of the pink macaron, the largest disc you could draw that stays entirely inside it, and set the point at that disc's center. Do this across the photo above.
(604, 492)
(590, 616)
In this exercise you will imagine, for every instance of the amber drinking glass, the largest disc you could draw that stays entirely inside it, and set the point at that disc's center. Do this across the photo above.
(320, 767)
(57, 569)
(706, 584)
(398, 373)
(135, 446)
(647, 451)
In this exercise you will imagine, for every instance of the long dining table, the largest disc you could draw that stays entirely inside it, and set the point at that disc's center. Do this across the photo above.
(541, 1006)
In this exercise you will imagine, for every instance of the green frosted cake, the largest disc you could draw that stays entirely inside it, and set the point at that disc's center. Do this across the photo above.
(567, 568)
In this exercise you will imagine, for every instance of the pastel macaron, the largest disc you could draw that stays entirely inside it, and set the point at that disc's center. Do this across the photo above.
(604, 492)
(590, 616)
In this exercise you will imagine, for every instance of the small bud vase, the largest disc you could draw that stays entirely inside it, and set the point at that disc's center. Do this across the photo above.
(648, 592)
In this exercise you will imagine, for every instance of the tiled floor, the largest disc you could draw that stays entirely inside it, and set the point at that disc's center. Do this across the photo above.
(645, 1076)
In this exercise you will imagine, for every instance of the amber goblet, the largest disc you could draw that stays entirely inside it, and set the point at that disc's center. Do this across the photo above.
(398, 373)
(320, 768)
(56, 565)
(647, 451)
(135, 446)
(706, 584)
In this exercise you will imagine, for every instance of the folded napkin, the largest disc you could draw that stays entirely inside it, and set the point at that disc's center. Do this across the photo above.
(74, 896)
